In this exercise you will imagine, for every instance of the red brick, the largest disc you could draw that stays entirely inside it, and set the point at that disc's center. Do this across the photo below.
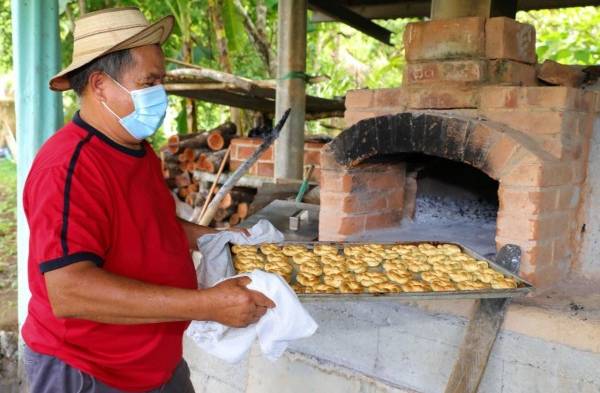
(446, 71)
(312, 157)
(265, 169)
(445, 39)
(352, 117)
(527, 201)
(395, 199)
(335, 181)
(552, 97)
(499, 97)
(328, 162)
(499, 156)
(560, 74)
(313, 146)
(234, 164)
(244, 152)
(359, 98)
(505, 38)
(561, 147)
(385, 181)
(316, 175)
(362, 203)
(385, 219)
(539, 174)
(533, 227)
(534, 122)
(443, 97)
(569, 197)
(395, 98)
(508, 72)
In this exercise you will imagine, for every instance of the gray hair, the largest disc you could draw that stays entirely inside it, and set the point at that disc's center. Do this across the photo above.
(113, 64)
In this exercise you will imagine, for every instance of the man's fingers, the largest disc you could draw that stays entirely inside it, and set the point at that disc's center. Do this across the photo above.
(261, 300)
(244, 281)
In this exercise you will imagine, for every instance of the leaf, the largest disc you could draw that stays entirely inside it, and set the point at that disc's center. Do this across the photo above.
(234, 27)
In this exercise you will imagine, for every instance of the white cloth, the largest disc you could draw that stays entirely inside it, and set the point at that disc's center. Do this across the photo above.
(216, 258)
(286, 322)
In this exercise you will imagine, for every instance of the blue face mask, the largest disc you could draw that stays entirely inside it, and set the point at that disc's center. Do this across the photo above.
(150, 106)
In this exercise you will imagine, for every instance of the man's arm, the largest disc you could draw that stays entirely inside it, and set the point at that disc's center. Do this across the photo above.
(194, 231)
(83, 290)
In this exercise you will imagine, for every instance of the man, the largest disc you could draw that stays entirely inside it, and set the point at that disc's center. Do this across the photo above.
(112, 281)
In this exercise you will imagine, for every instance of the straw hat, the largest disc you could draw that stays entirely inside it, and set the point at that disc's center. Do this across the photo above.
(102, 32)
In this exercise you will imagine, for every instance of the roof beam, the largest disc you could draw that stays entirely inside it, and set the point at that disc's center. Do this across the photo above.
(351, 18)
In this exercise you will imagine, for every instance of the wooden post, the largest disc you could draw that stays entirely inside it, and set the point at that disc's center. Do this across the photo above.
(291, 66)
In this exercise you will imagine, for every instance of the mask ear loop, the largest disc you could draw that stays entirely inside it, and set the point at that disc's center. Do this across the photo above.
(122, 87)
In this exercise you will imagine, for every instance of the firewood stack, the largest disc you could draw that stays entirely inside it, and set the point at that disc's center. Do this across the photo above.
(204, 151)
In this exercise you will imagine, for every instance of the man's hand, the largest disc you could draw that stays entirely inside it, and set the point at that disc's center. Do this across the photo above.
(235, 305)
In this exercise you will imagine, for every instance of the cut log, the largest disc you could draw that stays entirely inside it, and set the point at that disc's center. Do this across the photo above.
(183, 180)
(194, 187)
(210, 162)
(242, 210)
(188, 155)
(234, 219)
(236, 196)
(223, 214)
(177, 143)
(190, 166)
(190, 199)
(220, 137)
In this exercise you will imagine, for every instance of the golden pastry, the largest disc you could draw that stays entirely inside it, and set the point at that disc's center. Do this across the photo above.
(416, 286)
(394, 264)
(471, 285)
(293, 249)
(356, 265)
(304, 258)
(350, 287)
(238, 248)
(372, 260)
(418, 267)
(322, 288)
(449, 249)
(370, 278)
(504, 283)
(460, 276)
(307, 280)
(334, 280)
(399, 276)
(269, 248)
(384, 287)
(434, 275)
(330, 259)
(313, 268)
(442, 285)
(323, 249)
(331, 269)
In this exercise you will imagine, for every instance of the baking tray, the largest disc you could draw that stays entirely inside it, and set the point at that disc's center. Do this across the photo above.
(523, 287)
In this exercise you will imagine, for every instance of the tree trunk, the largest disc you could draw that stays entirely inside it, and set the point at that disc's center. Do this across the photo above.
(177, 143)
(210, 162)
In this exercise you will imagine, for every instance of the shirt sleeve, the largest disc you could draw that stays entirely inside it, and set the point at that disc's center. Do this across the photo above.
(68, 214)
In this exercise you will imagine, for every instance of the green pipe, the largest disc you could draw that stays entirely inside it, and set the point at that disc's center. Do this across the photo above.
(36, 54)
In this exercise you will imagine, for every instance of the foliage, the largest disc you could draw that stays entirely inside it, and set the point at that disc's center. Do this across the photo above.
(8, 223)
(568, 35)
(5, 37)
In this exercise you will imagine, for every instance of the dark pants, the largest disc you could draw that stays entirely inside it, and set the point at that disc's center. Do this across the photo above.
(47, 374)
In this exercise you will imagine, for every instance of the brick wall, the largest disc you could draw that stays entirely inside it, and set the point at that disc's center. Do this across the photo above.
(242, 148)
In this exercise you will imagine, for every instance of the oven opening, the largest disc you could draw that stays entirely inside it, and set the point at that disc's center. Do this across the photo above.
(453, 202)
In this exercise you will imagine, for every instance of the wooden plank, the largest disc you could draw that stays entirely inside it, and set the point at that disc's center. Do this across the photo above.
(382, 10)
(477, 345)
(481, 333)
(351, 18)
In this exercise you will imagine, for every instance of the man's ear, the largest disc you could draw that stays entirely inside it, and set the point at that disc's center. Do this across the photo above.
(97, 84)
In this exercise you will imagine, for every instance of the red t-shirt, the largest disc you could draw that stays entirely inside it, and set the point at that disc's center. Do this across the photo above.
(89, 198)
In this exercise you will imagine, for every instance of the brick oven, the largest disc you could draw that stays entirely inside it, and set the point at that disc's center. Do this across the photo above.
(471, 147)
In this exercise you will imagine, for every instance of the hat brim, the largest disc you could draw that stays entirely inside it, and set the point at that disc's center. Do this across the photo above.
(156, 33)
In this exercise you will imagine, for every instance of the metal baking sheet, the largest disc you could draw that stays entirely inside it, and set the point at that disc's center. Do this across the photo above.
(523, 287)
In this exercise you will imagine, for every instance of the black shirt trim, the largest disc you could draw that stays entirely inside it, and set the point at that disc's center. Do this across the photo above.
(66, 260)
(88, 127)
(67, 195)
